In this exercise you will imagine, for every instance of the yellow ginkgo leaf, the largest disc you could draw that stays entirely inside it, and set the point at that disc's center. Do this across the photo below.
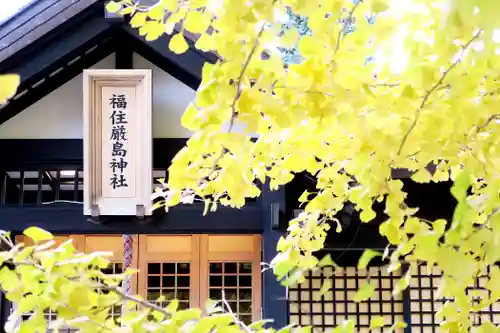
(178, 44)
(113, 7)
(197, 22)
(156, 12)
(139, 19)
(8, 86)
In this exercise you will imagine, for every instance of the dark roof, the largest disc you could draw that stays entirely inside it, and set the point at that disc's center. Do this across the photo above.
(52, 41)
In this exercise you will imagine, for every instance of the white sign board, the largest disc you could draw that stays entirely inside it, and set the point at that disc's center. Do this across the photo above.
(117, 142)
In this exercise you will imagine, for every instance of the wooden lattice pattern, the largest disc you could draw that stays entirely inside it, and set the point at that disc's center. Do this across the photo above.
(308, 307)
(425, 302)
(170, 280)
(233, 281)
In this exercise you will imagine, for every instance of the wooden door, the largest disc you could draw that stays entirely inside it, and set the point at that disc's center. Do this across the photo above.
(169, 267)
(230, 267)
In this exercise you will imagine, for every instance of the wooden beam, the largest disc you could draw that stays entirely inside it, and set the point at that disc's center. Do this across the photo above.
(124, 55)
(63, 218)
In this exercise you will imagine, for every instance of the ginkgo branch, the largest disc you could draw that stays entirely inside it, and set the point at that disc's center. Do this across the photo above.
(347, 21)
(237, 95)
(491, 118)
(30, 261)
(426, 97)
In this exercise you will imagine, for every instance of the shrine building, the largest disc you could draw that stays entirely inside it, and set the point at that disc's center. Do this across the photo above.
(94, 125)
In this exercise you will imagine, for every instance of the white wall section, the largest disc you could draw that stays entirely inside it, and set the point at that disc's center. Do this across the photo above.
(59, 115)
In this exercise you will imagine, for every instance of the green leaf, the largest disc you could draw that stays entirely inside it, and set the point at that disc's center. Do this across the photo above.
(197, 22)
(138, 20)
(327, 285)
(364, 293)
(187, 315)
(327, 261)
(379, 6)
(376, 322)
(156, 12)
(366, 257)
(178, 44)
(367, 215)
(397, 326)
(158, 316)
(27, 303)
(8, 86)
(206, 207)
(37, 234)
(304, 196)
(461, 185)
(173, 306)
(113, 7)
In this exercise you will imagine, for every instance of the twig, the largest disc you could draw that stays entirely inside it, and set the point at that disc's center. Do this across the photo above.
(239, 322)
(348, 20)
(432, 90)
(487, 122)
(131, 298)
(98, 285)
(391, 85)
(234, 112)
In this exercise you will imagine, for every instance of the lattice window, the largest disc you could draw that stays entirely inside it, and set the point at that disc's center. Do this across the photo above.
(233, 280)
(308, 307)
(189, 268)
(114, 268)
(425, 302)
(231, 263)
(171, 280)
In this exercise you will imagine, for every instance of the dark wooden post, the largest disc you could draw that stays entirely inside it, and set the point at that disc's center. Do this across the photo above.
(274, 295)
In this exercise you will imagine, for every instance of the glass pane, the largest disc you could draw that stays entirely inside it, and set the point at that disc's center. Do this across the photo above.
(231, 294)
(169, 294)
(233, 306)
(233, 282)
(168, 268)
(153, 281)
(215, 268)
(245, 294)
(183, 268)
(245, 268)
(230, 281)
(168, 281)
(215, 294)
(183, 305)
(153, 295)
(183, 295)
(230, 268)
(215, 281)
(245, 307)
(154, 268)
(245, 281)
(183, 281)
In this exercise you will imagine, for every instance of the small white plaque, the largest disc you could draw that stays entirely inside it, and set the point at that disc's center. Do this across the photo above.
(117, 141)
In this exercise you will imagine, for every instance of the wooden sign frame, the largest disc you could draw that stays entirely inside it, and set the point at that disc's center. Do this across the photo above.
(98, 199)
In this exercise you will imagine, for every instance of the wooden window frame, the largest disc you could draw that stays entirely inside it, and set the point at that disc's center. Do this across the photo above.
(196, 249)
(230, 248)
(180, 248)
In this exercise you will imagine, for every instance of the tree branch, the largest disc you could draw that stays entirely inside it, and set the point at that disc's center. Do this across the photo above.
(426, 97)
(491, 118)
(239, 81)
(348, 20)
